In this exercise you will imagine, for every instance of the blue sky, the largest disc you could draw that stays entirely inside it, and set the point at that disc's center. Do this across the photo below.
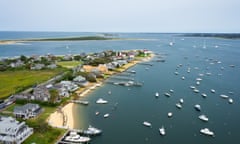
(120, 15)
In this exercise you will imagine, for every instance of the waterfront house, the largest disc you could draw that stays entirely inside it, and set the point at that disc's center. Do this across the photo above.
(37, 67)
(70, 86)
(81, 81)
(13, 131)
(27, 111)
(41, 93)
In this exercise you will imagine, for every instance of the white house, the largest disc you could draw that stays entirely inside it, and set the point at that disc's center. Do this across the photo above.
(13, 131)
(27, 111)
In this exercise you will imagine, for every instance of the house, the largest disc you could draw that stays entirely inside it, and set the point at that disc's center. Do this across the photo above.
(52, 66)
(70, 86)
(27, 111)
(41, 93)
(19, 63)
(102, 68)
(37, 67)
(81, 81)
(13, 131)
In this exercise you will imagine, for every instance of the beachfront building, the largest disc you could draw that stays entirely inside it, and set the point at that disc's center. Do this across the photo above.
(27, 111)
(41, 93)
(70, 86)
(81, 81)
(13, 131)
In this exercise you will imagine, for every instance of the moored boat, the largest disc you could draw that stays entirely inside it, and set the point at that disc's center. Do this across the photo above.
(203, 118)
(101, 101)
(197, 107)
(162, 131)
(147, 124)
(206, 131)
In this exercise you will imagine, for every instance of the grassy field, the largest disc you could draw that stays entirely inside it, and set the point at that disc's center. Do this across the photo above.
(69, 64)
(14, 81)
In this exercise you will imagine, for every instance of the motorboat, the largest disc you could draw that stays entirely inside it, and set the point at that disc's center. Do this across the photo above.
(192, 87)
(97, 113)
(203, 118)
(183, 78)
(197, 107)
(198, 83)
(198, 79)
(213, 91)
(75, 137)
(106, 115)
(170, 114)
(181, 101)
(101, 101)
(162, 131)
(167, 94)
(230, 100)
(196, 90)
(147, 124)
(171, 90)
(178, 105)
(92, 131)
(157, 94)
(176, 73)
(224, 96)
(204, 95)
(206, 131)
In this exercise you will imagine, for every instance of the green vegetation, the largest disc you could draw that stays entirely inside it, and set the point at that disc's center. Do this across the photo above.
(69, 64)
(16, 81)
(43, 133)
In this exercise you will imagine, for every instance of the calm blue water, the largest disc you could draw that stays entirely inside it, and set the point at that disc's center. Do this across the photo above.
(138, 104)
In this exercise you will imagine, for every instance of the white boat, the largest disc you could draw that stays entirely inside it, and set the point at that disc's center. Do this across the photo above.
(171, 90)
(206, 131)
(170, 114)
(224, 96)
(176, 73)
(196, 90)
(157, 94)
(197, 107)
(198, 79)
(101, 101)
(204, 95)
(171, 43)
(92, 131)
(198, 83)
(230, 100)
(213, 91)
(183, 78)
(167, 94)
(178, 105)
(147, 124)
(192, 87)
(106, 115)
(74, 137)
(162, 131)
(97, 113)
(181, 101)
(203, 118)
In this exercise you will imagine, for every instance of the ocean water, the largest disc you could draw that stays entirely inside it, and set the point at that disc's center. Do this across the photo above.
(129, 107)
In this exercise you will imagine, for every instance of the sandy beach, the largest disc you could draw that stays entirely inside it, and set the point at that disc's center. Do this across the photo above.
(63, 117)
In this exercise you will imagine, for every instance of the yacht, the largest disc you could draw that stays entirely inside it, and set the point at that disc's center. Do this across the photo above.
(197, 107)
(223, 96)
(192, 87)
(230, 100)
(101, 101)
(176, 73)
(162, 131)
(204, 95)
(92, 131)
(74, 137)
(203, 118)
(147, 124)
(106, 115)
(206, 131)
(178, 105)
(198, 83)
(198, 79)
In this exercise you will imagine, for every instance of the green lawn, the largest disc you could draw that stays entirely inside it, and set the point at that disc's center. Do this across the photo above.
(69, 64)
(15, 81)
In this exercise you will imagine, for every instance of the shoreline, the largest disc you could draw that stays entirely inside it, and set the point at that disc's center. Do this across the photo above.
(63, 117)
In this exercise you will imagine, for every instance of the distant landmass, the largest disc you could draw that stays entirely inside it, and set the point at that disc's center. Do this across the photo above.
(217, 35)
